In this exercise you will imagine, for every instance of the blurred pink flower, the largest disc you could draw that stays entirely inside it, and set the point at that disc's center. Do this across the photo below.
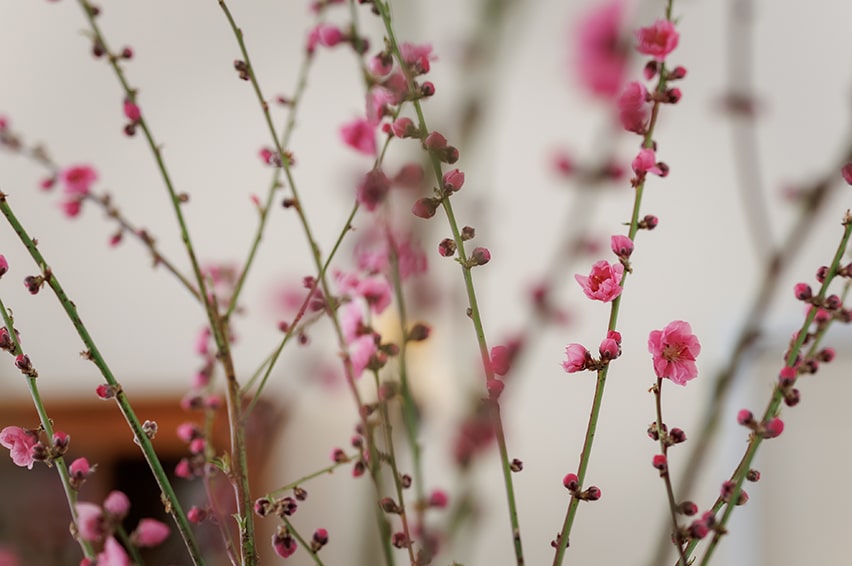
(78, 179)
(601, 56)
(360, 136)
(117, 504)
(633, 110)
(113, 554)
(674, 349)
(361, 350)
(646, 162)
(604, 281)
(150, 532)
(90, 521)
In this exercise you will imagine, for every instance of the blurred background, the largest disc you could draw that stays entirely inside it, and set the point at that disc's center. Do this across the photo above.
(764, 117)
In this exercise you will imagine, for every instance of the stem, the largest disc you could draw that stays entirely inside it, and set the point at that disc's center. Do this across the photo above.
(327, 470)
(475, 316)
(409, 408)
(172, 504)
(128, 544)
(47, 425)
(773, 408)
(664, 447)
(388, 433)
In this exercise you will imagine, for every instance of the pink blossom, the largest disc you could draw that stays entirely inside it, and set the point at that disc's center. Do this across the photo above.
(90, 521)
(576, 355)
(633, 109)
(113, 554)
(404, 127)
(657, 40)
(373, 254)
(360, 136)
(362, 350)
(4, 265)
(378, 100)
(187, 431)
(373, 189)
(603, 283)
(183, 469)
(417, 56)
(351, 321)
(380, 65)
(20, 442)
(131, 111)
(117, 504)
(674, 349)
(601, 54)
(150, 532)
(78, 179)
(377, 292)
(646, 162)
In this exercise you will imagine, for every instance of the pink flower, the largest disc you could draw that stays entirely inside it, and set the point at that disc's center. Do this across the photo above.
(601, 56)
(361, 351)
(78, 179)
(377, 292)
(4, 265)
(20, 442)
(90, 521)
(633, 110)
(113, 554)
(378, 100)
(674, 349)
(150, 532)
(360, 136)
(657, 40)
(351, 321)
(117, 504)
(603, 283)
(576, 355)
(373, 189)
(646, 162)
(417, 56)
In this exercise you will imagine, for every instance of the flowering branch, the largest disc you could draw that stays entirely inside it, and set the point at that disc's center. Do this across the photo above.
(466, 263)
(46, 423)
(770, 425)
(633, 117)
(112, 386)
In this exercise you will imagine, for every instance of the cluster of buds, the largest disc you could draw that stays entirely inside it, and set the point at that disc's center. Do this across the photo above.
(282, 506)
(578, 358)
(669, 438)
(770, 428)
(572, 484)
